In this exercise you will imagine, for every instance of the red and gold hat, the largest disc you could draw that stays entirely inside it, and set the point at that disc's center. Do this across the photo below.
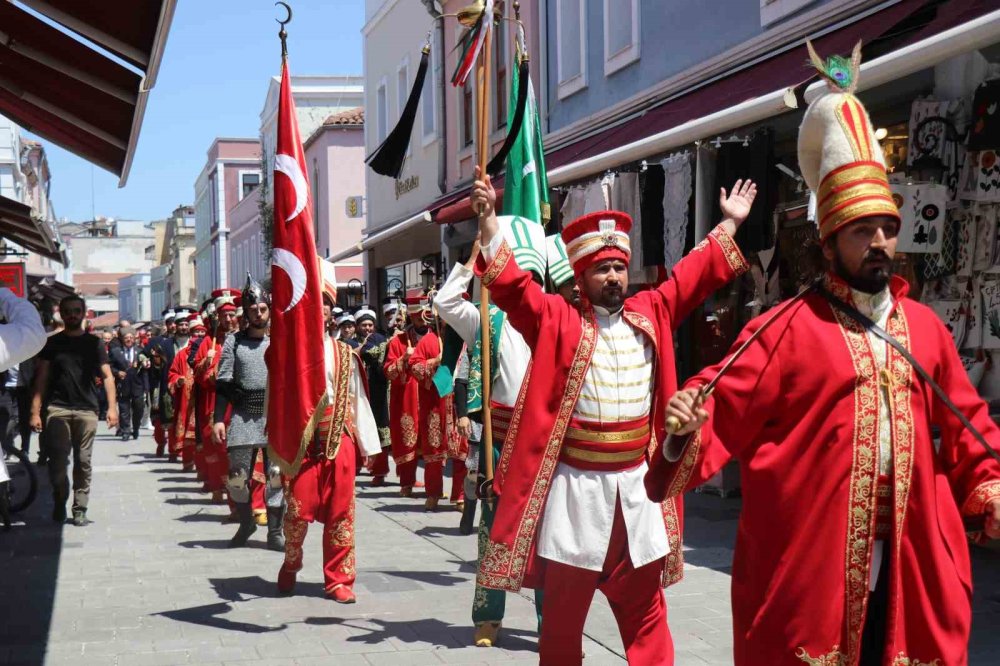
(414, 304)
(195, 322)
(596, 237)
(840, 158)
(226, 300)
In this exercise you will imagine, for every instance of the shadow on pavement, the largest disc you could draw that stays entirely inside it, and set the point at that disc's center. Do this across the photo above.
(438, 633)
(202, 517)
(221, 544)
(182, 489)
(435, 578)
(440, 530)
(31, 553)
(211, 615)
(188, 501)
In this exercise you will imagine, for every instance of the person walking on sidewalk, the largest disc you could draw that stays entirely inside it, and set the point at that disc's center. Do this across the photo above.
(67, 369)
(323, 488)
(241, 383)
(130, 375)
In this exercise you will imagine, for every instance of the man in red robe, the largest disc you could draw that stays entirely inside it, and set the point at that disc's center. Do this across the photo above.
(323, 488)
(206, 362)
(180, 381)
(438, 437)
(573, 516)
(851, 548)
(404, 404)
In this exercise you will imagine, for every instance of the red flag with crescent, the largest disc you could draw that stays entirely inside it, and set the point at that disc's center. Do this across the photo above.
(295, 358)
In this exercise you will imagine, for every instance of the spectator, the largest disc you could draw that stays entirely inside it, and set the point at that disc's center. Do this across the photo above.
(21, 337)
(65, 374)
(129, 370)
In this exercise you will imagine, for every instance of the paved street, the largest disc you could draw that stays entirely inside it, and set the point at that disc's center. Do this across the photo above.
(150, 582)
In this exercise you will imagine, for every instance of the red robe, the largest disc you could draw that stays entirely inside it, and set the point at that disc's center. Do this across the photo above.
(404, 410)
(183, 409)
(562, 339)
(799, 411)
(438, 439)
(215, 458)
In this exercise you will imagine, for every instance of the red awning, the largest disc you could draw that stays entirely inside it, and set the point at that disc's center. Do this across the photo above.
(788, 69)
(19, 226)
(456, 207)
(71, 94)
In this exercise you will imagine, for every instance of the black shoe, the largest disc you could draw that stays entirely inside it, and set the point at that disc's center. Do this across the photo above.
(80, 518)
(275, 529)
(124, 436)
(135, 434)
(59, 513)
(247, 526)
(468, 524)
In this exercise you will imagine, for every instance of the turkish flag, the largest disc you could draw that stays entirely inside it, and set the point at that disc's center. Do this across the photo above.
(295, 358)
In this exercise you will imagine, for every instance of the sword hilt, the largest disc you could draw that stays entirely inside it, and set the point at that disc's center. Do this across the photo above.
(674, 423)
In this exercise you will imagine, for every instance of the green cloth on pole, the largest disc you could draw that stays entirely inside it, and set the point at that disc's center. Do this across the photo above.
(444, 376)
(497, 317)
(526, 185)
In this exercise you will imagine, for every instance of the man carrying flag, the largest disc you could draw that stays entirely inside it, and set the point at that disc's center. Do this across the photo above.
(323, 489)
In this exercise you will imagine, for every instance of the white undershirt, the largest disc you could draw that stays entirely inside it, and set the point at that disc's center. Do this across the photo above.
(877, 308)
(361, 410)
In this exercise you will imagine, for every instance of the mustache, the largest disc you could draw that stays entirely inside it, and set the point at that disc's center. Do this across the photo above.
(875, 256)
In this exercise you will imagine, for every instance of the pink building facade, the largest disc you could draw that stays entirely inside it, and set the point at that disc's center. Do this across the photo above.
(231, 173)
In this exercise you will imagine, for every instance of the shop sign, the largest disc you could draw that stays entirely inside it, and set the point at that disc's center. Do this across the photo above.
(407, 185)
(13, 277)
(354, 206)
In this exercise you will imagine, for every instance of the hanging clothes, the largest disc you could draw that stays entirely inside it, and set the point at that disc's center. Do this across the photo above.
(756, 162)
(677, 189)
(651, 183)
(626, 196)
(573, 205)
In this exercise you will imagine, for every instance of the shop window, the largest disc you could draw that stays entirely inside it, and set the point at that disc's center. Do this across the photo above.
(571, 46)
(621, 34)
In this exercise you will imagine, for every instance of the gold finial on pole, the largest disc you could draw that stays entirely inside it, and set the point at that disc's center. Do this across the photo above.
(282, 35)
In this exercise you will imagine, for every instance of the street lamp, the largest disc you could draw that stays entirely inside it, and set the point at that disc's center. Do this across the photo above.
(355, 292)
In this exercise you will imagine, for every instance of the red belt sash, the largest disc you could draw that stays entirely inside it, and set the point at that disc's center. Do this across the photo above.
(500, 418)
(605, 447)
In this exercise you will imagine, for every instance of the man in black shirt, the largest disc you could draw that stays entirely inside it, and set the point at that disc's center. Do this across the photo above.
(67, 369)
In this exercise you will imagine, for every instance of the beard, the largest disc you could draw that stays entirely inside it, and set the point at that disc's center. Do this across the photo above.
(872, 277)
(611, 298)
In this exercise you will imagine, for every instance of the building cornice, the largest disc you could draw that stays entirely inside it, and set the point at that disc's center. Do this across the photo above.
(778, 37)
(379, 15)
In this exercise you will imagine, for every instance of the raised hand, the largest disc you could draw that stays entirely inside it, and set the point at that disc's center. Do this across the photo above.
(736, 206)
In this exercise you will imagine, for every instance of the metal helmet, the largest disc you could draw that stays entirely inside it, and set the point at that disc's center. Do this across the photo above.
(253, 293)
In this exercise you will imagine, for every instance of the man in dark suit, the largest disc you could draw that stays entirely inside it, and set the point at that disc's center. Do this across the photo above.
(130, 380)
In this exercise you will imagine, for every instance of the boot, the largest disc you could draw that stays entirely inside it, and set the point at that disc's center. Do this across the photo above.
(5, 505)
(80, 517)
(247, 526)
(275, 529)
(468, 524)
(487, 634)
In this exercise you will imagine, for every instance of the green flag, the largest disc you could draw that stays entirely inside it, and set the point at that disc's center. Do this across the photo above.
(526, 186)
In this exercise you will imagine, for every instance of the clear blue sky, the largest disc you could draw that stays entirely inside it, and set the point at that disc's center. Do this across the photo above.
(212, 82)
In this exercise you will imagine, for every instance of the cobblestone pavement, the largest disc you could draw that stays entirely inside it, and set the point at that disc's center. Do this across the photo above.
(151, 582)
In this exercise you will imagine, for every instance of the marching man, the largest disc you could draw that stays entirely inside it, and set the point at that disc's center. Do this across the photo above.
(323, 489)
(573, 515)
(851, 548)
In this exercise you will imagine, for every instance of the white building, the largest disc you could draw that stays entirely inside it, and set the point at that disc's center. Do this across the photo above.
(134, 298)
(159, 289)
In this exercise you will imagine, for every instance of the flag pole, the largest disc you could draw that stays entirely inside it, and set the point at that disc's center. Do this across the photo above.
(483, 148)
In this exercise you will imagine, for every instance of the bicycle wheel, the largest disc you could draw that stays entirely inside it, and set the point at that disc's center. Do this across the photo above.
(23, 485)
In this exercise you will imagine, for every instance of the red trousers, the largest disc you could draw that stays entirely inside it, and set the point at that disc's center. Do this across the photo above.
(458, 474)
(380, 463)
(434, 479)
(215, 466)
(634, 594)
(257, 481)
(187, 454)
(174, 444)
(159, 436)
(323, 491)
(407, 473)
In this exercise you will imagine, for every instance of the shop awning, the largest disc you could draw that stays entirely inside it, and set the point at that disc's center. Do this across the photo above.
(47, 287)
(19, 226)
(456, 207)
(787, 70)
(371, 240)
(73, 95)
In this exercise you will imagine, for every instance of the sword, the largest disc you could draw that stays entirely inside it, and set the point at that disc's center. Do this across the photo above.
(673, 423)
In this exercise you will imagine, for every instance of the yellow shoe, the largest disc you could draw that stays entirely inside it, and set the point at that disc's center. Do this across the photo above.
(487, 634)
(260, 517)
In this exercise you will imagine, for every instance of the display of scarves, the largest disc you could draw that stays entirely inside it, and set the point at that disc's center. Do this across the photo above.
(677, 189)
(934, 139)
